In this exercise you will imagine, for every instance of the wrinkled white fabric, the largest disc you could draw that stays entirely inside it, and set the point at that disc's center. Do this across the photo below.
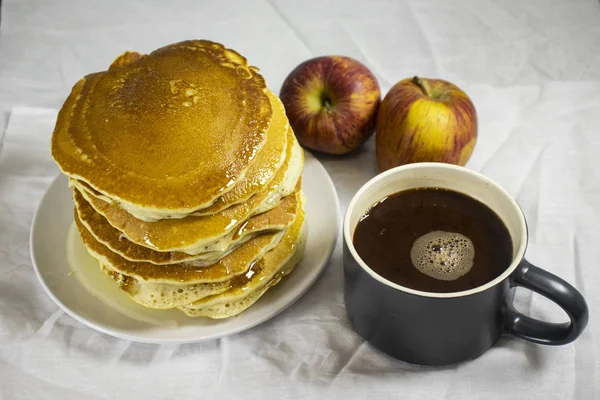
(533, 71)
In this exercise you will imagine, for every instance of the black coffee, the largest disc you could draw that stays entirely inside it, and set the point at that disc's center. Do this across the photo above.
(434, 240)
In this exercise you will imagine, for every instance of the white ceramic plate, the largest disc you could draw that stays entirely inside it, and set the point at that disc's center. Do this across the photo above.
(102, 306)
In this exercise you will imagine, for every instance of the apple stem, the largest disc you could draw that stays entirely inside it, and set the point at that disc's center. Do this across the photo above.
(326, 101)
(417, 81)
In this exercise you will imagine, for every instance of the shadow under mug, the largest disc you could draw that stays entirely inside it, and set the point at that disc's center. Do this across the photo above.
(445, 328)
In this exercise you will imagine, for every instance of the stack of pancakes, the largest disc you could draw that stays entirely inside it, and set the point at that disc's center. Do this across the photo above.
(186, 178)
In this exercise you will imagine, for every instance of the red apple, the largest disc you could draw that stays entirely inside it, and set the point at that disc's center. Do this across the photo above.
(425, 120)
(331, 103)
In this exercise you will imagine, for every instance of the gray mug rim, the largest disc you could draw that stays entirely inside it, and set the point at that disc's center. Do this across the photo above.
(517, 259)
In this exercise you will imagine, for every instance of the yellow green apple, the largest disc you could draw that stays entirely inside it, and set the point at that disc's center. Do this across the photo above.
(423, 120)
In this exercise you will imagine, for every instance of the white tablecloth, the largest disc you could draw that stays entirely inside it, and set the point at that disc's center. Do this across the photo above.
(533, 71)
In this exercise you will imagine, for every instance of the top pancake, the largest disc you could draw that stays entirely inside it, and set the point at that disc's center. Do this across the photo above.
(263, 170)
(168, 132)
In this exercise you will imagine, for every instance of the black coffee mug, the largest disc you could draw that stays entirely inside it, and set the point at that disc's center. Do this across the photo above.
(445, 328)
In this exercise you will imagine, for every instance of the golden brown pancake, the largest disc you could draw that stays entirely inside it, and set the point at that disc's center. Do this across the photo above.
(159, 295)
(279, 218)
(262, 171)
(186, 176)
(129, 57)
(229, 266)
(263, 275)
(195, 234)
(164, 295)
(168, 132)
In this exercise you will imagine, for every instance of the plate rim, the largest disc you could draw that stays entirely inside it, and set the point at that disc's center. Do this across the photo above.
(241, 328)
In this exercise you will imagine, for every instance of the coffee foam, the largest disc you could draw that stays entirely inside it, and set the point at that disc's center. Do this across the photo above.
(443, 255)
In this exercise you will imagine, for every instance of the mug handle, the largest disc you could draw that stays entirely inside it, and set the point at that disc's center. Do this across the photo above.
(560, 292)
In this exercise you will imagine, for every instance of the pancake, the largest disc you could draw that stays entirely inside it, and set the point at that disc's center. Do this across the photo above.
(195, 235)
(168, 286)
(129, 57)
(221, 306)
(163, 296)
(269, 159)
(279, 218)
(262, 171)
(233, 264)
(166, 133)
(263, 275)
(186, 176)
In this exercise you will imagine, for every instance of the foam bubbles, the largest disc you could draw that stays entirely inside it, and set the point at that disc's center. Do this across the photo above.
(443, 255)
